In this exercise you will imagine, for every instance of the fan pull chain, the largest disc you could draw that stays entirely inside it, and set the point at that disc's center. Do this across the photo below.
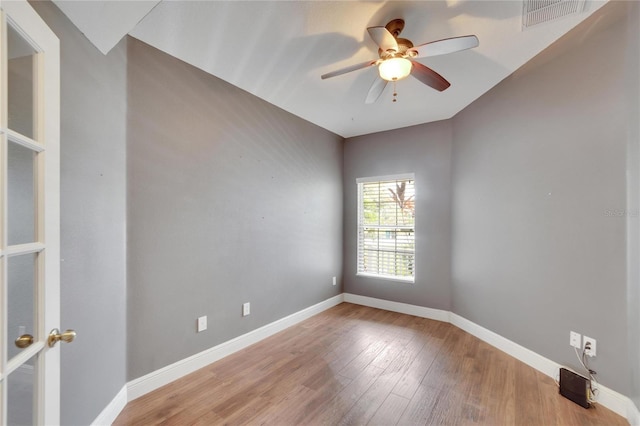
(395, 94)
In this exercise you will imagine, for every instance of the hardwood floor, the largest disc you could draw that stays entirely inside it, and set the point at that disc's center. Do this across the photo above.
(357, 365)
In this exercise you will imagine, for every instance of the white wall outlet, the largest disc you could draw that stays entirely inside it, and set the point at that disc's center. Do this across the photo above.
(334, 281)
(589, 346)
(202, 323)
(575, 339)
(246, 309)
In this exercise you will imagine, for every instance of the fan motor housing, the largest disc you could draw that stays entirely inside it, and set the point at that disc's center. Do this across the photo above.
(395, 27)
(403, 46)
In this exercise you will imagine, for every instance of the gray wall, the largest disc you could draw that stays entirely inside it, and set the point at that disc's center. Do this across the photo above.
(633, 196)
(93, 216)
(539, 191)
(426, 151)
(230, 200)
(220, 180)
(536, 245)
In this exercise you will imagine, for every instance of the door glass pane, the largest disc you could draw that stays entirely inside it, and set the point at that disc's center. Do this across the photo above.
(20, 70)
(20, 392)
(21, 301)
(21, 194)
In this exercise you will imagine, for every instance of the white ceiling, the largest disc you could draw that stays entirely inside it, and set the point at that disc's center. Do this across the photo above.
(277, 50)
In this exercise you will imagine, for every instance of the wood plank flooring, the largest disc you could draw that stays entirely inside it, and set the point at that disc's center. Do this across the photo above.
(358, 365)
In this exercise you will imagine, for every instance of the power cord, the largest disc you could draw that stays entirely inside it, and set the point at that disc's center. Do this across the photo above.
(593, 397)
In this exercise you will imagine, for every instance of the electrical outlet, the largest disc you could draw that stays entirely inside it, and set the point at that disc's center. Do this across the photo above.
(202, 323)
(246, 309)
(575, 339)
(589, 346)
(334, 281)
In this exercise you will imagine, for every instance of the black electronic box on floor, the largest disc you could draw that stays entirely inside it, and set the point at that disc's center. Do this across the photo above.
(575, 387)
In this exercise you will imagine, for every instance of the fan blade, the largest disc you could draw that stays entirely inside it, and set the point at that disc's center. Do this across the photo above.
(429, 77)
(376, 90)
(442, 47)
(383, 38)
(349, 69)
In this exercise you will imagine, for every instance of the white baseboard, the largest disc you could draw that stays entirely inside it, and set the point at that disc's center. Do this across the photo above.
(619, 404)
(111, 411)
(634, 415)
(145, 384)
(403, 308)
(521, 353)
(614, 401)
(609, 398)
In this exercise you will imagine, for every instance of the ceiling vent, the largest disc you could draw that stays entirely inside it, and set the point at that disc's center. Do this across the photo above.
(537, 12)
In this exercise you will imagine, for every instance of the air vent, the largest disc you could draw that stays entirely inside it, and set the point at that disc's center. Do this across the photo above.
(537, 12)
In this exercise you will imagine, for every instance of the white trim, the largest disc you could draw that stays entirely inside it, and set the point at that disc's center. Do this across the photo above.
(614, 401)
(24, 141)
(386, 178)
(362, 228)
(112, 410)
(410, 280)
(23, 356)
(47, 131)
(21, 249)
(608, 398)
(619, 404)
(521, 353)
(403, 308)
(633, 414)
(147, 383)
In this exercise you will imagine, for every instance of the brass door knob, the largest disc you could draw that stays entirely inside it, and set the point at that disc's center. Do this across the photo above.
(55, 336)
(24, 341)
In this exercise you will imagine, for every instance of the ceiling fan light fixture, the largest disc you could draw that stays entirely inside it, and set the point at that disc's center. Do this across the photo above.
(394, 69)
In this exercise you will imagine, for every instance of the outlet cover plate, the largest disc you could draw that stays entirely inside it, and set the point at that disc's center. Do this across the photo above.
(202, 323)
(575, 339)
(592, 343)
(246, 309)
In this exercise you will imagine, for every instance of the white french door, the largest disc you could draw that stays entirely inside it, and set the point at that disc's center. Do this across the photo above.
(29, 217)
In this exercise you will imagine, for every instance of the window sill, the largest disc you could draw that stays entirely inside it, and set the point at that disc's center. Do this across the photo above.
(410, 280)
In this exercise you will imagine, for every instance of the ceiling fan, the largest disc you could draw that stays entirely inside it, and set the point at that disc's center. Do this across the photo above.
(397, 58)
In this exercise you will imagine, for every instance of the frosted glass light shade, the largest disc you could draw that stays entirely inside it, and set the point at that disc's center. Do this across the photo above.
(394, 69)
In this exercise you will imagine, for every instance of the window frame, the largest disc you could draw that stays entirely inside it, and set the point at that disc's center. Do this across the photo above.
(359, 225)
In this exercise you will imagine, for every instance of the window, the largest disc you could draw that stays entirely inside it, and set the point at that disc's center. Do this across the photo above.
(386, 227)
